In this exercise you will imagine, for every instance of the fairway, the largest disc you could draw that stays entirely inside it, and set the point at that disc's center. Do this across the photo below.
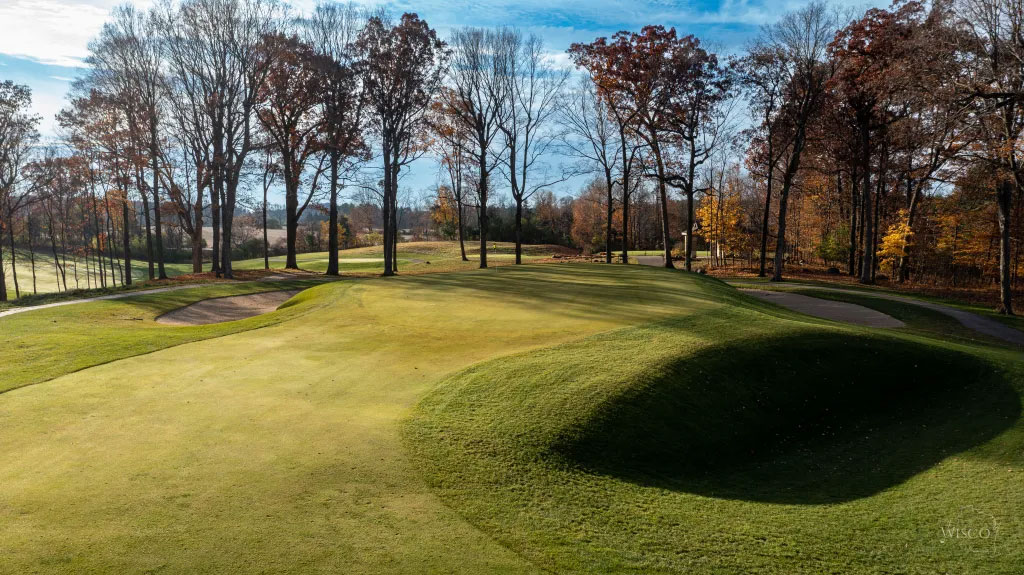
(569, 418)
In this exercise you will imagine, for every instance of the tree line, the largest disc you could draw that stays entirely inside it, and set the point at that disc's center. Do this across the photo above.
(886, 142)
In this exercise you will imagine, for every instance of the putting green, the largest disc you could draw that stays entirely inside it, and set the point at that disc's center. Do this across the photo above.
(331, 439)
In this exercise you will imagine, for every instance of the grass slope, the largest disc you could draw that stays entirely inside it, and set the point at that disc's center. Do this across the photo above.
(569, 418)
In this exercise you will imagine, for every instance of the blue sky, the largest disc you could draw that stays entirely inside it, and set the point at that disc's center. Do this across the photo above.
(43, 42)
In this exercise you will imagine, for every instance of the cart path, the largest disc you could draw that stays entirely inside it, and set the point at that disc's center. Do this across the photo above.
(828, 309)
(968, 319)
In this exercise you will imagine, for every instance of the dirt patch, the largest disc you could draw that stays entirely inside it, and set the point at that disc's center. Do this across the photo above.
(223, 309)
(828, 309)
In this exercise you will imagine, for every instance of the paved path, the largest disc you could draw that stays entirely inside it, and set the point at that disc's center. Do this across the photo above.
(283, 276)
(828, 309)
(15, 310)
(968, 319)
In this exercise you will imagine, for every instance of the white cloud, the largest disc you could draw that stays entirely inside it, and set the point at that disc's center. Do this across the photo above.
(53, 32)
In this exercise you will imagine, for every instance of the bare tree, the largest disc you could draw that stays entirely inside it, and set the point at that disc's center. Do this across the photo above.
(332, 31)
(589, 135)
(214, 50)
(17, 136)
(481, 62)
(531, 97)
(762, 73)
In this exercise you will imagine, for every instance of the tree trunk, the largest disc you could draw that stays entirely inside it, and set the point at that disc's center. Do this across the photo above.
(483, 207)
(3, 272)
(161, 271)
(197, 234)
(792, 166)
(14, 259)
(852, 256)
(148, 223)
(666, 238)
(332, 233)
(462, 243)
(386, 214)
(227, 226)
(127, 279)
(611, 210)
(266, 242)
(868, 263)
(1004, 198)
(762, 271)
(519, 231)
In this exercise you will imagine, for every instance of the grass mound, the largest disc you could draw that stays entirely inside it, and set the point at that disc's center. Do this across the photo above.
(784, 421)
(729, 442)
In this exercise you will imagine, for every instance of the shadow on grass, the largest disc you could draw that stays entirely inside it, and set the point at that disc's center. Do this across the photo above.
(805, 419)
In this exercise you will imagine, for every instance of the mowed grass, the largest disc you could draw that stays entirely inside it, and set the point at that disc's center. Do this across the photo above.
(557, 418)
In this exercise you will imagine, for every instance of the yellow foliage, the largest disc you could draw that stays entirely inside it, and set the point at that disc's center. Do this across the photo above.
(895, 241)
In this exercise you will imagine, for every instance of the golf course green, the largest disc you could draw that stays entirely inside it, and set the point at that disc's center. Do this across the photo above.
(545, 418)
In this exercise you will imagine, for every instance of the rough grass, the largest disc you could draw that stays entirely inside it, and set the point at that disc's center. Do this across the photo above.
(568, 418)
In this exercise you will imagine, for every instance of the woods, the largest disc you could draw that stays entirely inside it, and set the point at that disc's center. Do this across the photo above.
(885, 143)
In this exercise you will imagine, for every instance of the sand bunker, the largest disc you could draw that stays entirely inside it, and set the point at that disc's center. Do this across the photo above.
(223, 309)
(828, 309)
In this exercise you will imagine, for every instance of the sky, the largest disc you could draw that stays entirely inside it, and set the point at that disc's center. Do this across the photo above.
(43, 42)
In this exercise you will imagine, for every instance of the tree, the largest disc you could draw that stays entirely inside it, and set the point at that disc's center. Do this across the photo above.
(697, 119)
(534, 90)
(215, 51)
(762, 73)
(479, 94)
(589, 135)
(602, 60)
(452, 143)
(872, 70)
(17, 136)
(128, 54)
(800, 39)
(989, 36)
(404, 65)
(289, 111)
(332, 31)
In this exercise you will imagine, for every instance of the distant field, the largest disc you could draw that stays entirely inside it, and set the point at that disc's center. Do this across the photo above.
(412, 257)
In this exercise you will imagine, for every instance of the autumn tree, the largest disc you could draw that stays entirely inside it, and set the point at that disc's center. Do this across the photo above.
(290, 113)
(404, 66)
(989, 36)
(800, 39)
(872, 71)
(453, 144)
